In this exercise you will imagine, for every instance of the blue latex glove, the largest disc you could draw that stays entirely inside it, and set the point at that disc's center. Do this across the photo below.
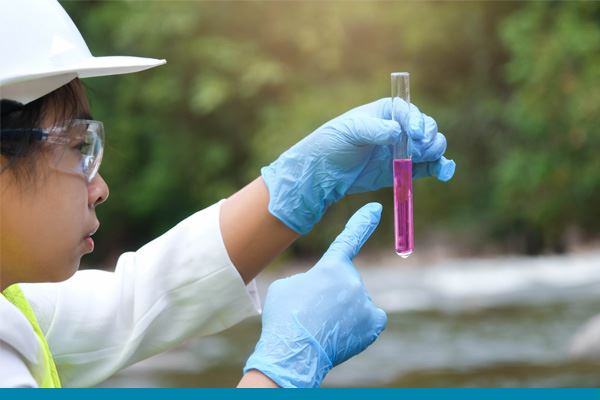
(350, 154)
(318, 319)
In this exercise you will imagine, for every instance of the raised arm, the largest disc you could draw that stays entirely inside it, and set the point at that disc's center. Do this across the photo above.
(349, 154)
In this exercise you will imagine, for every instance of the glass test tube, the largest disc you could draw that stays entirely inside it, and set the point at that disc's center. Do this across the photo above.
(402, 168)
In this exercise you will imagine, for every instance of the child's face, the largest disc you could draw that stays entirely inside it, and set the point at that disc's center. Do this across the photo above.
(44, 231)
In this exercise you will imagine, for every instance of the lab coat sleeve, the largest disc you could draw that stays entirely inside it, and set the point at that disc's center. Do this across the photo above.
(15, 373)
(180, 285)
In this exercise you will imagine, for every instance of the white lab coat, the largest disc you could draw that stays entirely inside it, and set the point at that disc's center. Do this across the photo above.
(180, 285)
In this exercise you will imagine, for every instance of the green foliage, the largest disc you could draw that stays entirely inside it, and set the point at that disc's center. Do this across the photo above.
(550, 178)
(513, 86)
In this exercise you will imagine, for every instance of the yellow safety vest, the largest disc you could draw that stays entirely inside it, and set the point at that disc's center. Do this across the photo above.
(15, 296)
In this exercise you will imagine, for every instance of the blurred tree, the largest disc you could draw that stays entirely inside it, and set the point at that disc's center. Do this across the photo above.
(549, 179)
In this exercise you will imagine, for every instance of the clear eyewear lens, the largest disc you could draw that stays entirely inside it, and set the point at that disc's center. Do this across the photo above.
(92, 149)
(83, 147)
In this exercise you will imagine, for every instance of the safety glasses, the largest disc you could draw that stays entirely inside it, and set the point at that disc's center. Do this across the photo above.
(79, 145)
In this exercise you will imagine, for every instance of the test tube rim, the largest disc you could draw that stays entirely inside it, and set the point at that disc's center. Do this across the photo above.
(395, 74)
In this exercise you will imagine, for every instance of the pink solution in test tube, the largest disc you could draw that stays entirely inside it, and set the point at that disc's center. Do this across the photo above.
(402, 168)
(403, 207)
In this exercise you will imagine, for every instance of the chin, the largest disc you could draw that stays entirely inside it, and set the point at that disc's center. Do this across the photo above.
(64, 273)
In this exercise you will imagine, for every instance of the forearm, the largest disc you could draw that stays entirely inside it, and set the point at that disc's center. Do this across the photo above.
(256, 379)
(253, 237)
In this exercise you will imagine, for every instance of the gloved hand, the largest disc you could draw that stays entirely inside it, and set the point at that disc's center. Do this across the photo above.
(318, 319)
(350, 154)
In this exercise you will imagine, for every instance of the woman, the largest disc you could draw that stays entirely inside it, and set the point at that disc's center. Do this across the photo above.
(62, 327)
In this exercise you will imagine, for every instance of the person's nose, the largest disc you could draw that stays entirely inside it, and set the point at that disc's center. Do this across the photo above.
(97, 191)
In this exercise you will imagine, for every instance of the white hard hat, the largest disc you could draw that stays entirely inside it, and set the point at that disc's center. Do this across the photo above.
(41, 50)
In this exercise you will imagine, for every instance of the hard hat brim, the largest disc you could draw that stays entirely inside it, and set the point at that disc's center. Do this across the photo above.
(31, 85)
(115, 65)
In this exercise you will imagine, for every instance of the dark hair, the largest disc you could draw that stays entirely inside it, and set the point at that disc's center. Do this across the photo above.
(21, 155)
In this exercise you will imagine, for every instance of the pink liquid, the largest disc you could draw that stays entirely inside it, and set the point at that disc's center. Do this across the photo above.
(403, 208)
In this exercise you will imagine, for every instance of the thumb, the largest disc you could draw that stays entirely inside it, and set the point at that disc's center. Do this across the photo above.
(358, 229)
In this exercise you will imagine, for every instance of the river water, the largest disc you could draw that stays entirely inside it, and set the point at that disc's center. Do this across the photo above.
(510, 321)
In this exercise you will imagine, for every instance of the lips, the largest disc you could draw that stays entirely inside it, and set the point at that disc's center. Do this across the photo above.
(92, 231)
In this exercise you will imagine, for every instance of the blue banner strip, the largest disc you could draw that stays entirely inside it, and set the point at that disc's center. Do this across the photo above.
(266, 394)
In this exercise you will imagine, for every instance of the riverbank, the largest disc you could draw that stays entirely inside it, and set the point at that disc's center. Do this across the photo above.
(503, 321)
